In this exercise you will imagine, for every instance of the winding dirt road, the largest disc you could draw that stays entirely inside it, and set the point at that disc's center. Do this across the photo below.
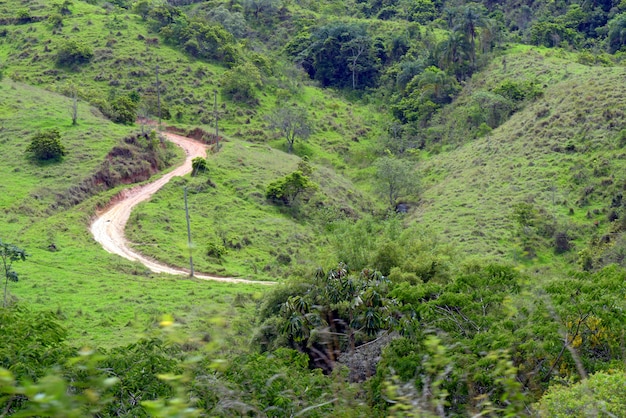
(108, 227)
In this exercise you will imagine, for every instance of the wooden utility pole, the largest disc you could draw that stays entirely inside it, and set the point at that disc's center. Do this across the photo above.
(188, 234)
(217, 132)
(158, 95)
(74, 107)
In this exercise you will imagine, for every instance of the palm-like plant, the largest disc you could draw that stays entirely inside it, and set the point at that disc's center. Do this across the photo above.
(453, 52)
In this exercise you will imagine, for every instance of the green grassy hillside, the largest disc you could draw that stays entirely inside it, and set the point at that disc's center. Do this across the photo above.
(341, 145)
(120, 300)
(562, 153)
(101, 299)
(35, 186)
(228, 208)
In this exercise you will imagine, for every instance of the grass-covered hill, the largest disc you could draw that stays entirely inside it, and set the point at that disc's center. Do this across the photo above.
(47, 206)
(109, 69)
(560, 155)
(46, 209)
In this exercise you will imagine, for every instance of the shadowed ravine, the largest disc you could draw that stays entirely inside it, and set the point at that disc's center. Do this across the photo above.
(108, 227)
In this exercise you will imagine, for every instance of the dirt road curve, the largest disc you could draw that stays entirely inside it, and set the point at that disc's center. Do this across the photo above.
(108, 227)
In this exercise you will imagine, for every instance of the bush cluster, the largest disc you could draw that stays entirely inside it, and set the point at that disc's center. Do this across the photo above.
(46, 145)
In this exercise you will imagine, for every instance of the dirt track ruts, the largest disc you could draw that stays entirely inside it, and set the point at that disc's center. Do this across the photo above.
(108, 227)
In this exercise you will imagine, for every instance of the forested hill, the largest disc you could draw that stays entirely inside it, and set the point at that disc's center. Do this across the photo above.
(437, 187)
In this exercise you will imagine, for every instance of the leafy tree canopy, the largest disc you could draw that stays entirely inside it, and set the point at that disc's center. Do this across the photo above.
(46, 145)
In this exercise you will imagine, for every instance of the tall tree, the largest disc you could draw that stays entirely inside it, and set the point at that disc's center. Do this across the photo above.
(395, 178)
(339, 53)
(453, 53)
(292, 123)
(356, 62)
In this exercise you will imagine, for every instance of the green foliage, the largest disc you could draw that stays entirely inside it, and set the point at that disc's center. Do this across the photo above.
(46, 145)
(282, 383)
(602, 395)
(23, 15)
(73, 53)
(233, 21)
(142, 8)
(200, 40)
(64, 7)
(33, 342)
(198, 165)
(586, 306)
(551, 34)
(163, 14)
(395, 178)
(139, 370)
(341, 55)
(240, 84)
(52, 396)
(430, 396)
(40, 376)
(56, 20)
(518, 91)
(122, 109)
(490, 109)
(524, 214)
(424, 95)
(216, 249)
(617, 33)
(472, 310)
(421, 11)
(292, 122)
(472, 326)
(262, 10)
(337, 311)
(288, 189)
(9, 254)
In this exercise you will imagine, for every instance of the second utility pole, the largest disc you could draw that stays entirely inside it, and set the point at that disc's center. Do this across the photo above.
(188, 233)
(217, 132)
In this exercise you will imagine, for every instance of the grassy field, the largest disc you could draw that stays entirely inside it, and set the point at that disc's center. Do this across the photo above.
(101, 299)
(228, 207)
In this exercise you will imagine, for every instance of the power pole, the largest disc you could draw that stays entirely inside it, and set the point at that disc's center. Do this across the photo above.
(188, 234)
(74, 107)
(158, 95)
(217, 132)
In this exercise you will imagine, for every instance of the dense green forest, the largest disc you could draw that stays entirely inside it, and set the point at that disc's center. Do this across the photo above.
(425, 198)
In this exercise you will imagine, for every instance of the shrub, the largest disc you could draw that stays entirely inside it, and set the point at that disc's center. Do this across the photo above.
(551, 34)
(518, 90)
(46, 145)
(121, 110)
(216, 250)
(23, 15)
(198, 165)
(562, 242)
(240, 83)
(616, 36)
(74, 53)
(289, 188)
(55, 20)
(602, 392)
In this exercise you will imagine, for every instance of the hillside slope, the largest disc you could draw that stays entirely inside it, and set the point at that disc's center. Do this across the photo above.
(562, 154)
